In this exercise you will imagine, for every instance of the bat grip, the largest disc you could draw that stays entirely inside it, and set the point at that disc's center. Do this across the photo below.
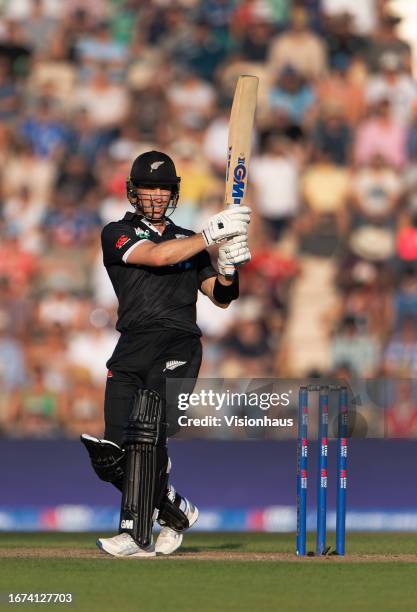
(230, 275)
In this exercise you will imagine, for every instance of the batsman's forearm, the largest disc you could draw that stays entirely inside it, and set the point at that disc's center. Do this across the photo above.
(175, 251)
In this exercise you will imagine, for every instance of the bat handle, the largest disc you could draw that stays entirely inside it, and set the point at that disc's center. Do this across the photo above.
(230, 274)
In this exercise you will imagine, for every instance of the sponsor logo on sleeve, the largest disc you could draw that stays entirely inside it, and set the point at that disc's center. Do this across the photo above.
(122, 241)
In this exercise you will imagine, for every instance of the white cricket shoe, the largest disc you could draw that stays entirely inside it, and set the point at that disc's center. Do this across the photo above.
(123, 545)
(169, 540)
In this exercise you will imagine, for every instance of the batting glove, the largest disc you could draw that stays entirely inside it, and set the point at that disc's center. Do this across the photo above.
(227, 224)
(235, 252)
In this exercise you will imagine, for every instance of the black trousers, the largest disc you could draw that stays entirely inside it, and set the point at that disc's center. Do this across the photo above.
(146, 360)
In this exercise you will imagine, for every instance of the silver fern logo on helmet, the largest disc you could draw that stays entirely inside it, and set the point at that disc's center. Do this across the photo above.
(155, 165)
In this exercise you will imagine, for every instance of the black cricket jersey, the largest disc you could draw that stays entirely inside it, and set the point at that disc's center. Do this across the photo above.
(152, 297)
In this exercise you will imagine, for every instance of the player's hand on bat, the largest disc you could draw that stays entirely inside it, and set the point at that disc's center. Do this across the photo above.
(227, 224)
(234, 252)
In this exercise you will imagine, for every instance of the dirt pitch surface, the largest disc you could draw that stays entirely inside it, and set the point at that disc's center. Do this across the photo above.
(203, 555)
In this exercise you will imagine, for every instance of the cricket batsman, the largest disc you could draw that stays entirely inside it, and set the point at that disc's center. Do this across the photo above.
(156, 269)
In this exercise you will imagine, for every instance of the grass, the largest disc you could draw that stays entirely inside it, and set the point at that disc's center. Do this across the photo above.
(216, 585)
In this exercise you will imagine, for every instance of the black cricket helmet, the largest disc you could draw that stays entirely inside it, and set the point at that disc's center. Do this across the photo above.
(153, 169)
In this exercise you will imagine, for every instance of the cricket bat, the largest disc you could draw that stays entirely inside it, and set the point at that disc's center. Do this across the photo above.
(240, 137)
(239, 142)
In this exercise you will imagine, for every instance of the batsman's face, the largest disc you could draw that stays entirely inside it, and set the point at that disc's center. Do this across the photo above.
(154, 201)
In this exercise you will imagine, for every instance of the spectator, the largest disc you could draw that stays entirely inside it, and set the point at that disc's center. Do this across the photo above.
(8, 93)
(291, 96)
(75, 177)
(99, 47)
(38, 27)
(39, 411)
(333, 134)
(276, 166)
(248, 340)
(23, 215)
(12, 360)
(253, 45)
(401, 413)
(48, 352)
(148, 117)
(400, 358)
(343, 44)
(358, 350)
(18, 306)
(59, 307)
(407, 239)
(45, 131)
(367, 300)
(215, 141)
(54, 67)
(381, 134)
(405, 298)
(376, 191)
(83, 408)
(299, 47)
(16, 263)
(339, 87)
(384, 39)
(79, 349)
(196, 182)
(175, 33)
(15, 49)
(412, 142)
(24, 169)
(362, 15)
(106, 103)
(67, 224)
(325, 185)
(85, 139)
(191, 100)
(206, 51)
(394, 85)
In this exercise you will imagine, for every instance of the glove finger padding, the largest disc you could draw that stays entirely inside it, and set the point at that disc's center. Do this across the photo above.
(242, 258)
(233, 249)
(231, 256)
(236, 258)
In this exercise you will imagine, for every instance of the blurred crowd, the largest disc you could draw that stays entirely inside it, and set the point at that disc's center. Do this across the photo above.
(86, 87)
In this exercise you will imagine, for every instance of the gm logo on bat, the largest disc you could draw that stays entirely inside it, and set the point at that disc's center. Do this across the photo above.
(239, 175)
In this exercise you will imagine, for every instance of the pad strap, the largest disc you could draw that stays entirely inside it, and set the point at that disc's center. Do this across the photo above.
(172, 512)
